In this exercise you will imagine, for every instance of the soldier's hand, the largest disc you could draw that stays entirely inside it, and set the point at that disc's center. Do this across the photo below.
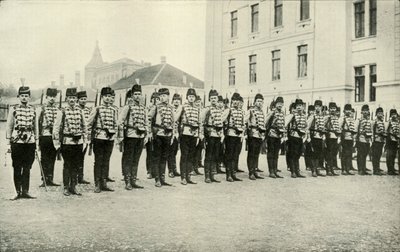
(172, 140)
(197, 141)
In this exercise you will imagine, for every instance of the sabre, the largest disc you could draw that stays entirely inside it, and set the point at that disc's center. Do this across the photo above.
(41, 169)
(5, 157)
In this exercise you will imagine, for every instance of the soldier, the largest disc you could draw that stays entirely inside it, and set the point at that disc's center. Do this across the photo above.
(255, 121)
(154, 101)
(308, 149)
(102, 124)
(191, 132)
(333, 132)
(21, 127)
(379, 135)
(392, 141)
(235, 134)
(221, 158)
(82, 100)
(240, 106)
(162, 122)
(348, 130)
(133, 135)
(292, 110)
(214, 135)
(46, 117)
(116, 108)
(199, 147)
(316, 124)
(171, 160)
(363, 140)
(297, 126)
(69, 134)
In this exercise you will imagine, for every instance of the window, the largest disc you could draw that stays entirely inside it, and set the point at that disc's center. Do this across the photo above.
(372, 80)
(372, 17)
(360, 81)
(234, 20)
(254, 18)
(278, 13)
(359, 19)
(302, 61)
(232, 63)
(253, 68)
(304, 9)
(276, 65)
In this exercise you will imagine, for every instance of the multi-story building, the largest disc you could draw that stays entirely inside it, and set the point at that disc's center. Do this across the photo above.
(342, 51)
(99, 73)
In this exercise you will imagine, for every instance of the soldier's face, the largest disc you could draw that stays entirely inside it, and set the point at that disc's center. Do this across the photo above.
(259, 103)
(299, 107)
(112, 99)
(214, 100)
(176, 102)
(71, 100)
(51, 99)
(318, 108)
(347, 112)
(191, 98)
(279, 105)
(235, 103)
(108, 99)
(365, 113)
(332, 110)
(312, 112)
(24, 98)
(198, 103)
(164, 98)
(379, 115)
(82, 101)
(394, 117)
(220, 104)
(136, 96)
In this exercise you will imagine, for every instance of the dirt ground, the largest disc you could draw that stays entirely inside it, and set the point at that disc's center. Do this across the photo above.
(351, 213)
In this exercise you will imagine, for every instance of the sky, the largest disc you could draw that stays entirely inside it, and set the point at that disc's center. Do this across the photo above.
(39, 40)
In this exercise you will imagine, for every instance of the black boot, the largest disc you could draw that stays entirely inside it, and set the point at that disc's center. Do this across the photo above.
(81, 180)
(72, 189)
(207, 177)
(292, 169)
(189, 180)
(333, 173)
(128, 185)
(275, 166)
(19, 196)
(271, 168)
(134, 185)
(298, 174)
(97, 188)
(104, 186)
(49, 181)
(162, 181)
(213, 179)
(197, 172)
(108, 179)
(66, 191)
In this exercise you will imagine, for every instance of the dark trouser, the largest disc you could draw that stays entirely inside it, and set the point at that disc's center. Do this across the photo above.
(331, 151)
(233, 147)
(317, 147)
(253, 153)
(199, 150)
(47, 156)
(150, 157)
(212, 154)
(376, 153)
(295, 145)
(82, 163)
(102, 152)
(22, 156)
(162, 145)
(308, 155)
(188, 151)
(172, 151)
(130, 157)
(221, 157)
(347, 155)
(273, 146)
(362, 152)
(70, 154)
(391, 151)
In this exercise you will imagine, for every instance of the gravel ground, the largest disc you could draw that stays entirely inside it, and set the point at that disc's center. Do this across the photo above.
(351, 213)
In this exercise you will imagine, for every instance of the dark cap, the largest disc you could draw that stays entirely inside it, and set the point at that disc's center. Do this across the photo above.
(317, 103)
(81, 94)
(24, 90)
(70, 92)
(106, 91)
(392, 112)
(136, 88)
(190, 91)
(155, 95)
(235, 97)
(311, 108)
(220, 98)
(298, 102)
(258, 96)
(51, 92)
(176, 97)
(365, 107)
(379, 110)
(332, 105)
(212, 92)
(347, 107)
(162, 91)
(279, 99)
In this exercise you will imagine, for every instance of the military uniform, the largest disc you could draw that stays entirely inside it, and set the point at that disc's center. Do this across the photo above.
(316, 125)
(150, 144)
(198, 162)
(392, 141)
(46, 117)
(379, 135)
(21, 127)
(308, 147)
(162, 122)
(333, 132)
(103, 126)
(173, 150)
(255, 121)
(133, 129)
(69, 133)
(364, 138)
(348, 132)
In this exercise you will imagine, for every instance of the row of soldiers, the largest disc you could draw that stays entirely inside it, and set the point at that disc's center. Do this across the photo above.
(221, 130)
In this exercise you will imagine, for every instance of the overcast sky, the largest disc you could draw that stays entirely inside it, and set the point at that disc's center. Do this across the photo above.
(39, 40)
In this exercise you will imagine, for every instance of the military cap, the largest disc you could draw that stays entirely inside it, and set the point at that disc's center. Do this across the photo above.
(311, 108)
(298, 102)
(332, 105)
(112, 92)
(379, 110)
(258, 96)
(136, 88)
(324, 108)
(51, 92)
(198, 98)
(81, 94)
(365, 107)
(70, 92)
(128, 93)
(106, 91)
(241, 98)
(226, 101)
(212, 92)
(155, 95)
(235, 97)
(317, 103)
(347, 107)
(272, 104)
(292, 106)
(392, 111)
(162, 91)
(24, 90)
(190, 91)
(279, 99)
(220, 98)
(176, 97)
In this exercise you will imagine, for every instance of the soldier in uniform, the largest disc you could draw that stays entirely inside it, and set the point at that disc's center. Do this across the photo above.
(69, 134)
(221, 159)
(240, 106)
(191, 132)
(214, 135)
(154, 101)
(332, 133)
(46, 117)
(347, 139)
(297, 129)
(133, 132)
(379, 135)
(392, 141)
(316, 125)
(82, 100)
(162, 121)
(255, 121)
(363, 140)
(308, 148)
(171, 160)
(235, 134)
(21, 127)
(200, 146)
(102, 124)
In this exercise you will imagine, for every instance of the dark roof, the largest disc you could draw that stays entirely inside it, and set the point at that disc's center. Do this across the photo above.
(165, 74)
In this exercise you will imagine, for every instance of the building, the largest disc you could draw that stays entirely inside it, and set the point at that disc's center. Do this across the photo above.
(151, 78)
(342, 51)
(99, 73)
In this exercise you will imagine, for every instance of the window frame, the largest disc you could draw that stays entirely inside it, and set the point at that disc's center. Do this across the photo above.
(254, 17)
(253, 68)
(232, 72)
(359, 84)
(234, 23)
(276, 61)
(359, 19)
(300, 63)
(372, 17)
(304, 15)
(372, 80)
(278, 6)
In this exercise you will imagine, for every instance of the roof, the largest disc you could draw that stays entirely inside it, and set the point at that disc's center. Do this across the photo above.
(165, 74)
(97, 59)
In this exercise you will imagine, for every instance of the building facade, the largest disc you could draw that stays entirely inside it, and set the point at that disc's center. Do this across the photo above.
(342, 51)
